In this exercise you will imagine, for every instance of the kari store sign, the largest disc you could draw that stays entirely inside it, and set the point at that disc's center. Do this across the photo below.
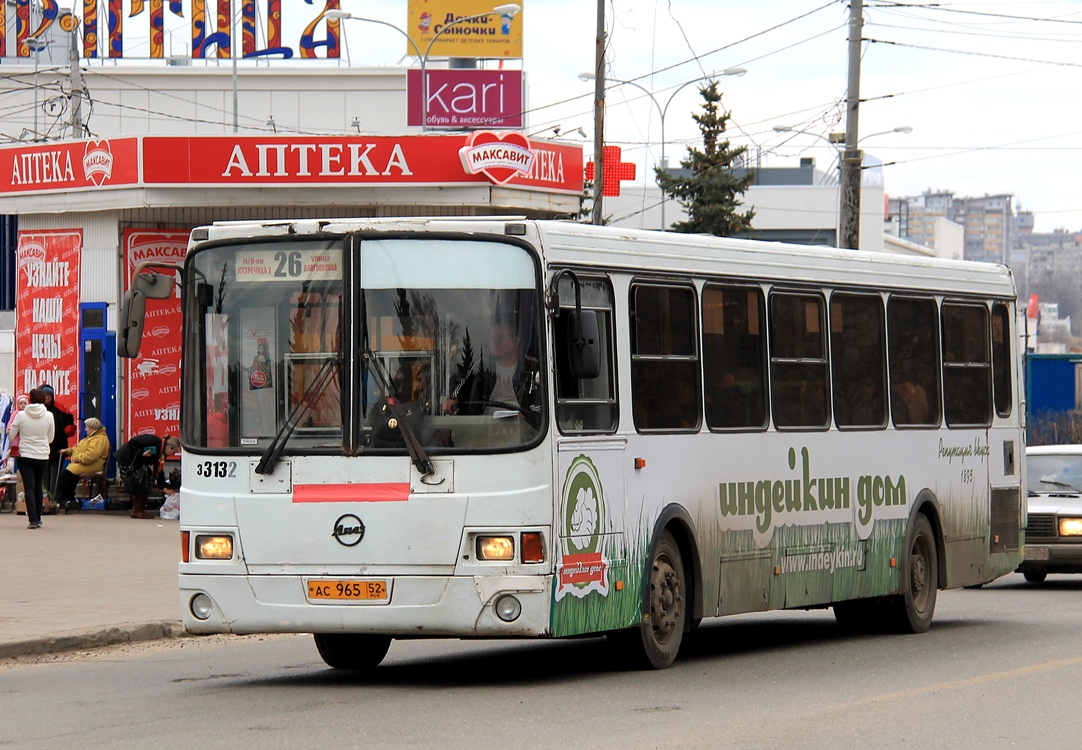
(47, 313)
(465, 98)
(153, 394)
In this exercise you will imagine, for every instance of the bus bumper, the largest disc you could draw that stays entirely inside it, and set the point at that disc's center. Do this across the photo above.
(436, 606)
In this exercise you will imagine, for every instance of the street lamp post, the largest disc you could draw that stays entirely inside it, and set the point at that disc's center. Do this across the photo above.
(510, 9)
(663, 111)
(836, 139)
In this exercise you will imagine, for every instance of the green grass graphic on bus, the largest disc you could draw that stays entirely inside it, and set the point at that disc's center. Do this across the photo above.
(598, 579)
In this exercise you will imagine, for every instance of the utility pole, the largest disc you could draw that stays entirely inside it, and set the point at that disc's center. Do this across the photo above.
(234, 53)
(599, 113)
(852, 157)
(76, 74)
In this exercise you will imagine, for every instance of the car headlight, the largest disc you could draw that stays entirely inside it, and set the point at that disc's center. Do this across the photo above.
(1070, 527)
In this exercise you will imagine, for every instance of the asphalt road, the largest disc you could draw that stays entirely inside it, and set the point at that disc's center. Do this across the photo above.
(1000, 668)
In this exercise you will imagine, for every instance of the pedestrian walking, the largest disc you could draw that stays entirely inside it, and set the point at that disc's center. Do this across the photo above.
(34, 427)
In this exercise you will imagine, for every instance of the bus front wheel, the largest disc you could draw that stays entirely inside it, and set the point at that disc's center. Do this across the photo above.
(352, 651)
(656, 641)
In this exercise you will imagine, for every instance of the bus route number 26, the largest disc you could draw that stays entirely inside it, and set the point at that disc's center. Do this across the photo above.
(216, 469)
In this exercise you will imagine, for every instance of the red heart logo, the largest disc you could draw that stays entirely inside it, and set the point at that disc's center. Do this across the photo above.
(97, 161)
(498, 156)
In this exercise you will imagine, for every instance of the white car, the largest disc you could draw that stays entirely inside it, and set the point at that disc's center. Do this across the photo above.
(1054, 526)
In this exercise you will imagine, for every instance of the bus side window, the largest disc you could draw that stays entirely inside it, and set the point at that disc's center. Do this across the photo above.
(913, 356)
(665, 390)
(1002, 360)
(586, 405)
(858, 360)
(734, 357)
(967, 365)
(798, 361)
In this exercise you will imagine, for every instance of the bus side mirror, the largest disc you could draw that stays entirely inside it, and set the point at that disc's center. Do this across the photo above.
(132, 317)
(583, 352)
(153, 285)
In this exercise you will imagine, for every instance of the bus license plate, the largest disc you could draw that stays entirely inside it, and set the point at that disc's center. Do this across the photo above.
(343, 590)
(1035, 552)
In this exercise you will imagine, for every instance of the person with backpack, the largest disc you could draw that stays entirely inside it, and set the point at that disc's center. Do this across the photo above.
(140, 462)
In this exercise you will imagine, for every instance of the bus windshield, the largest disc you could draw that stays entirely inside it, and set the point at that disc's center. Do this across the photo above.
(443, 342)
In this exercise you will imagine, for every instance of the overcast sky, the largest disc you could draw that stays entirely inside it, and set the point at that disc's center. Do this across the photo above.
(990, 92)
(990, 89)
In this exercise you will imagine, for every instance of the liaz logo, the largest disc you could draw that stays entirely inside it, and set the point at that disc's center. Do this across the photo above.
(583, 567)
(98, 161)
(348, 530)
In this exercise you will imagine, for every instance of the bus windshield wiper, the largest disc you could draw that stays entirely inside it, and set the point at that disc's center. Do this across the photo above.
(409, 437)
(274, 451)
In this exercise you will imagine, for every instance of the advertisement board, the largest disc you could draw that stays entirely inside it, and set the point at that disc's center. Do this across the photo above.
(136, 28)
(465, 98)
(280, 160)
(47, 313)
(152, 405)
(463, 28)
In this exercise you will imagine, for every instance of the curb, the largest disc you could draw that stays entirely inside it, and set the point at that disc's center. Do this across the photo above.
(148, 631)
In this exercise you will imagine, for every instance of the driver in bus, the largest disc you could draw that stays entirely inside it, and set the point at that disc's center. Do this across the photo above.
(509, 380)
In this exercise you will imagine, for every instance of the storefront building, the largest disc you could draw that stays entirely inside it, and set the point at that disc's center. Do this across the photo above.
(89, 211)
(131, 123)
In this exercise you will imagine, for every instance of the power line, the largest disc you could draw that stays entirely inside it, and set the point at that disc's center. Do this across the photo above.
(945, 9)
(974, 54)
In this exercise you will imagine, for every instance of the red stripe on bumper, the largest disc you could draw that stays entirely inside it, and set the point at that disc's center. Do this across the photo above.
(388, 492)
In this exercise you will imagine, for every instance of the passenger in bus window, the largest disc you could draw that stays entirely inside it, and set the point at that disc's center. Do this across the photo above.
(910, 404)
(507, 380)
(726, 405)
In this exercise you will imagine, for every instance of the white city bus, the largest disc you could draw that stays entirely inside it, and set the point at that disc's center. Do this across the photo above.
(501, 427)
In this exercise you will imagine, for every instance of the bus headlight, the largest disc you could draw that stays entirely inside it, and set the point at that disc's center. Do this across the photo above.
(508, 608)
(1070, 527)
(495, 548)
(213, 547)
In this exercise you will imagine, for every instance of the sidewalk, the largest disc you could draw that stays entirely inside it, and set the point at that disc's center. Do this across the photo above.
(87, 578)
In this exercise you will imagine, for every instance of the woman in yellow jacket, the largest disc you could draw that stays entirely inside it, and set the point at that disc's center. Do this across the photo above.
(87, 457)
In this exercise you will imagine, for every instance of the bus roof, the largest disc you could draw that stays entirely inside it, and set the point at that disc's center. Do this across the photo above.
(566, 243)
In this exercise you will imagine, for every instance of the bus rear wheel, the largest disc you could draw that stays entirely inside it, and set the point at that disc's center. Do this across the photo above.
(657, 640)
(352, 651)
(913, 610)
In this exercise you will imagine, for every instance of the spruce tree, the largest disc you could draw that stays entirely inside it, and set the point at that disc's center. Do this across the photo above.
(710, 192)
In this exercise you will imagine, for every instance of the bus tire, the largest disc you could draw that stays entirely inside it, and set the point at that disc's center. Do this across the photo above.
(913, 610)
(656, 641)
(1035, 576)
(353, 651)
